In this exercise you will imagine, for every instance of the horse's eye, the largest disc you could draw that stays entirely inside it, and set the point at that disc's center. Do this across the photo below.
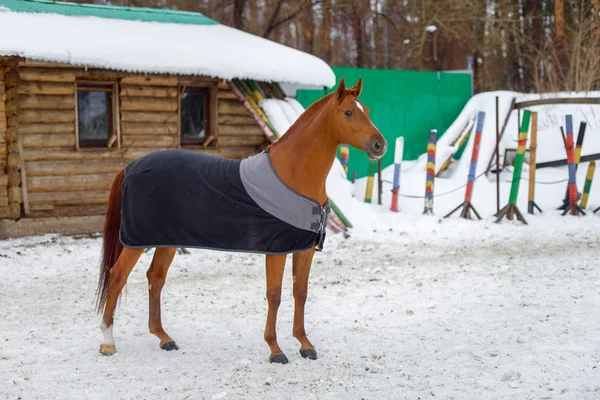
(348, 113)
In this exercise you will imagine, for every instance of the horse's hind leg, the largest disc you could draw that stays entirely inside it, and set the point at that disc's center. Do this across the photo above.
(118, 277)
(301, 270)
(157, 274)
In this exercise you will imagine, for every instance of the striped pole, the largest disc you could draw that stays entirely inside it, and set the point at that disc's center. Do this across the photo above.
(514, 189)
(474, 156)
(398, 155)
(429, 183)
(577, 158)
(571, 161)
(572, 207)
(511, 209)
(466, 205)
(580, 136)
(588, 183)
(344, 154)
(370, 179)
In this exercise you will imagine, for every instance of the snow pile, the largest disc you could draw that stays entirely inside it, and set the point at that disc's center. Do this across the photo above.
(281, 113)
(276, 115)
(153, 47)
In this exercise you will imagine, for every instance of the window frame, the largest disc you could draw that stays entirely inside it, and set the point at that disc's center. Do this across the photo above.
(112, 87)
(211, 115)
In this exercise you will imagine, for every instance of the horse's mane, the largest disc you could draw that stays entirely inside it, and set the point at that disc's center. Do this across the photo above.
(306, 117)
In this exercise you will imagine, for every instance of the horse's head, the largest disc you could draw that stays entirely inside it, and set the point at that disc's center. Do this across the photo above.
(350, 122)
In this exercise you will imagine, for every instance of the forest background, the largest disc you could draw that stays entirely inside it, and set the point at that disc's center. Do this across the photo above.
(522, 45)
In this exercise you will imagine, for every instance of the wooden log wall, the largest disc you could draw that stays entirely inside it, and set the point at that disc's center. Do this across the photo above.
(55, 179)
(4, 208)
(14, 156)
(236, 129)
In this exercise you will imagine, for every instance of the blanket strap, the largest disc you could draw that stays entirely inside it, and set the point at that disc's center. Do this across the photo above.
(321, 230)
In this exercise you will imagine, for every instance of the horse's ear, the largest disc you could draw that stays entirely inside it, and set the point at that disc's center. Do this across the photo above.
(358, 87)
(341, 90)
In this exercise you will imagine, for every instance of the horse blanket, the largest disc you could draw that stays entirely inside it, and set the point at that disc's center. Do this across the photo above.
(181, 198)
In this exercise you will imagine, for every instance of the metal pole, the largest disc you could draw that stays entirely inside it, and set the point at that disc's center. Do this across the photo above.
(497, 157)
(379, 189)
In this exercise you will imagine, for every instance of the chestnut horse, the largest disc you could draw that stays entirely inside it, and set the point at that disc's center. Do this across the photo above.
(302, 159)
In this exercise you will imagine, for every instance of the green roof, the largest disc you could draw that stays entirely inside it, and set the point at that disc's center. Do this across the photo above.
(102, 11)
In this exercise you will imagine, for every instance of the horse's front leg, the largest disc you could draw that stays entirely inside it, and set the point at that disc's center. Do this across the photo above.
(301, 270)
(275, 266)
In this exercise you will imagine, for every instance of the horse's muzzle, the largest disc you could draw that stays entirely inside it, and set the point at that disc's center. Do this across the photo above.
(376, 147)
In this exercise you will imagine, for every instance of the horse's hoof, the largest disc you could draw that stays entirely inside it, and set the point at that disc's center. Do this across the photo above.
(278, 358)
(108, 349)
(169, 346)
(311, 354)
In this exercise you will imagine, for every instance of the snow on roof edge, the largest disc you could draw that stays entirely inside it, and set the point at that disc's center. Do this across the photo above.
(281, 63)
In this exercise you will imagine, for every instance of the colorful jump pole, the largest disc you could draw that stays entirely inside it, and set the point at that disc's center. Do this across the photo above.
(429, 183)
(589, 176)
(572, 207)
(370, 178)
(397, 166)
(344, 154)
(466, 205)
(511, 208)
(577, 158)
(532, 155)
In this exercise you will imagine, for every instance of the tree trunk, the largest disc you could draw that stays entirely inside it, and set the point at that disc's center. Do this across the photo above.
(597, 20)
(238, 13)
(379, 39)
(326, 32)
(308, 29)
(480, 51)
(560, 38)
(359, 34)
(254, 24)
(536, 36)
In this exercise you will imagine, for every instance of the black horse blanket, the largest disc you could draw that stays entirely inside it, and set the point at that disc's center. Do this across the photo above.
(181, 198)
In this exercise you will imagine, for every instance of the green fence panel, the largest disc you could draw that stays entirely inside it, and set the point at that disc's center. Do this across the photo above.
(402, 103)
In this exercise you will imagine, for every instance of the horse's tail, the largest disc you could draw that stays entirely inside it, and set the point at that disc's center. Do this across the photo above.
(111, 246)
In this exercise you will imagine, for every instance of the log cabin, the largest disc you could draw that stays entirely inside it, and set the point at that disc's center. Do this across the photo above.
(86, 89)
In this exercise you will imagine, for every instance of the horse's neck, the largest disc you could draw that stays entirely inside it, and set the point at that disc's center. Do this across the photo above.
(304, 158)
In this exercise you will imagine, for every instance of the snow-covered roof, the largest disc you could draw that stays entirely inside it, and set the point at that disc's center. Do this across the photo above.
(150, 41)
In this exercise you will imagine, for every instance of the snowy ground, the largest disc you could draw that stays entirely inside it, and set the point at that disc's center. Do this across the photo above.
(451, 310)
(408, 307)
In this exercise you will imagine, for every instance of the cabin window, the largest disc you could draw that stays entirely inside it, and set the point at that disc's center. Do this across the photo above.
(96, 114)
(195, 109)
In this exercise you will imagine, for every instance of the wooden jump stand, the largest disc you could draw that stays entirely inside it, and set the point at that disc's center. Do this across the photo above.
(467, 207)
(531, 205)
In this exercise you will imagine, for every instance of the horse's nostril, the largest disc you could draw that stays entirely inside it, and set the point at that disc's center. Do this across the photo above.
(376, 146)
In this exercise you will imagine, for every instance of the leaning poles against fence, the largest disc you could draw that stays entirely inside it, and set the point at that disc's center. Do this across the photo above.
(511, 208)
(344, 155)
(531, 205)
(370, 179)
(589, 176)
(397, 168)
(429, 183)
(267, 129)
(466, 205)
(572, 207)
